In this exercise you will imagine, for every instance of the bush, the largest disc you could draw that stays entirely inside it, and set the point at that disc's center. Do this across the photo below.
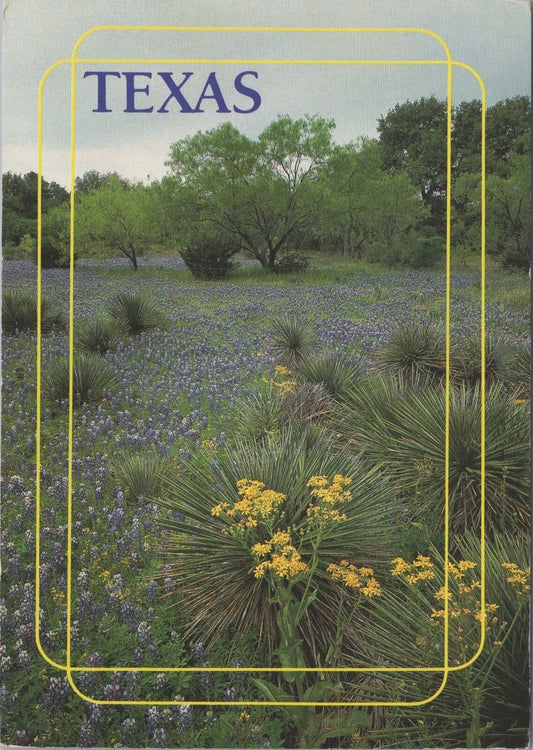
(209, 257)
(336, 372)
(55, 238)
(499, 358)
(413, 349)
(481, 702)
(291, 263)
(212, 569)
(19, 312)
(134, 312)
(140, 476)
(98, 336)
(93, 380)
(402, 431)
(292, 340)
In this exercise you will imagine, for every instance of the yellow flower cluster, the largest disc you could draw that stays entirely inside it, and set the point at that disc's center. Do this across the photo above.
(518, 577)
(467, 602)
(361, 579)
(420, 569)
(330, 495)
(286, 385)
(256, 503)
(459, 570)
(285, 560)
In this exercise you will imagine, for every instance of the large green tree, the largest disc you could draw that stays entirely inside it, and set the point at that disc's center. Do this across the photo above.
(413, 140)
(115, 219)
(261, 191)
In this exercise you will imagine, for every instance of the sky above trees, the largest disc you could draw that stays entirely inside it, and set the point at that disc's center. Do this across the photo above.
(489, 35)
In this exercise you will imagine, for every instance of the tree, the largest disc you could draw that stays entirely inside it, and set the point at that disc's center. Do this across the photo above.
(262, 192)
(115, 218)
(413, 140)
(19, 204)
(365, 208)
(94, 180)
(509, 214)
(55, 237)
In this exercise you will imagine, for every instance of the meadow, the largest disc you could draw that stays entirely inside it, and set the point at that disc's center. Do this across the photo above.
(162, 575)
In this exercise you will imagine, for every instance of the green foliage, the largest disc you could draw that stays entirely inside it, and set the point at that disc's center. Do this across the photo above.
(291, 263)
(55, 238)
(335, 371)
(499, 360)
(19, 312)
(521, 374)
(263, 192)
(469, 711)
(413, 350)
(413, 140)
(140, 476)
(19, 204)
(134, 312)
(402, 431)
(222, 591)
(99, 336)
(115, 218)
(256, 416)
(207, 254)
(292, 339)
(93, 379)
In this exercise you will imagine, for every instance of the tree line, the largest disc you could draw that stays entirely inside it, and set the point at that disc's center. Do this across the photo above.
(293, 191)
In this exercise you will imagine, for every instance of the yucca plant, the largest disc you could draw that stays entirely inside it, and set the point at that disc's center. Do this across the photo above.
(336, 372)
(93, 379)
(213, 568)
(98, 336)
(140, 476)
(277, 406)
(413, 349)
(292, 339)
(499, 359)
(402, 431)
(134, 312)
(19, 312)
(256, 416)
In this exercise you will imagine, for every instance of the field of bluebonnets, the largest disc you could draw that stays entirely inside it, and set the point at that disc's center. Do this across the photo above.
(243, 501)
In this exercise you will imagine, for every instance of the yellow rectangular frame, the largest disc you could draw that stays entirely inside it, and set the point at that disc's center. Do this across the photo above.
(73, 61)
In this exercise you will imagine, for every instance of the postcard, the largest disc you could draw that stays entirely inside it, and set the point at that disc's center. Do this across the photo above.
(266, 374)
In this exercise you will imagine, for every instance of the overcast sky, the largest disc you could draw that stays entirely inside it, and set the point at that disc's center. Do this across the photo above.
(491, 36)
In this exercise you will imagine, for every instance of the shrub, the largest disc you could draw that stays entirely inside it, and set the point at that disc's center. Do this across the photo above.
(140, 476)
(212, 568)
(336, 372)
(402, 431)
(209, 256)
(499, 357)
(93, 379)
(283, 403)
(291, 263)
(521, 374)
(134, 312)
(98, 336)
(291, 339)
(256, 416)
(55, 238)
(481, 702)
(19, 312)
(413, 349)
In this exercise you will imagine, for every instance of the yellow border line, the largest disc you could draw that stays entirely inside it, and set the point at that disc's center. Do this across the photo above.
(68, 667)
